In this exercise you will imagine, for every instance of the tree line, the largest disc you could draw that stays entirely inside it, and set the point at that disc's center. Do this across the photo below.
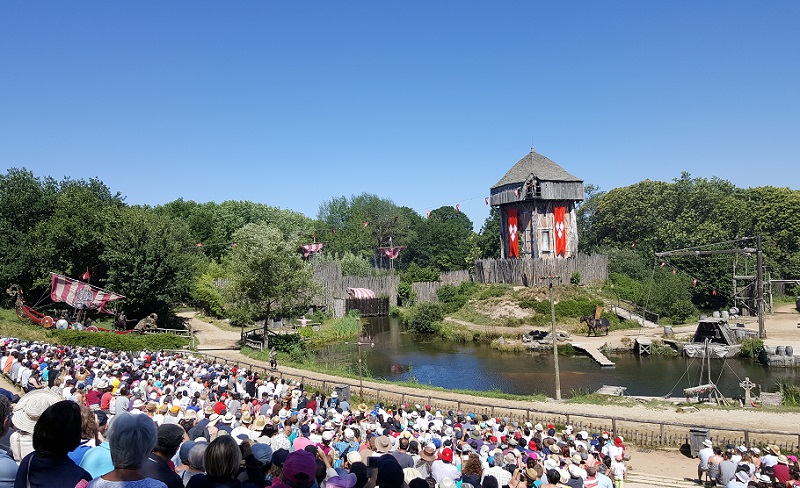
(159, 255)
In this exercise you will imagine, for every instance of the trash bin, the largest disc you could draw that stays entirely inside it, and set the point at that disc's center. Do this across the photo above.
(344, 393)
(696, 438)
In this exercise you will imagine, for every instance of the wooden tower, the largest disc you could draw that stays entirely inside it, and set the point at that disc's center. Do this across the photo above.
(536, 199)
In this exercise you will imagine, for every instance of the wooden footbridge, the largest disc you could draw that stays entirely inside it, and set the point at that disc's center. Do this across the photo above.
(595, 354)
(627, 314)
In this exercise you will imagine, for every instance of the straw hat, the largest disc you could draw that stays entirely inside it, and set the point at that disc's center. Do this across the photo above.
(30, 407)
(260, 422)
(428, 453)
(774, 449)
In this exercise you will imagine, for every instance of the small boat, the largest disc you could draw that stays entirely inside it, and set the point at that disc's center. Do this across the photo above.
(713, 338)
(82, 297)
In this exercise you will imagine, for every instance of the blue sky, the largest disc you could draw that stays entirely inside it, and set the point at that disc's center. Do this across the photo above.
(425, 103)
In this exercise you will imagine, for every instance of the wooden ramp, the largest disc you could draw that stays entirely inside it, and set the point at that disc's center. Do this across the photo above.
(626, 314)
(594, 353)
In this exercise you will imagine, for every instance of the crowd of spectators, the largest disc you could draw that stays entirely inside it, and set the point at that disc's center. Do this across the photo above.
(99, 418)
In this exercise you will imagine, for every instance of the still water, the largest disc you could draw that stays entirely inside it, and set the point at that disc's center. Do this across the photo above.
(399, 355)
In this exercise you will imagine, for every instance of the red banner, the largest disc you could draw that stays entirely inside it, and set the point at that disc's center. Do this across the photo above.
(513, 242)
(561, 231)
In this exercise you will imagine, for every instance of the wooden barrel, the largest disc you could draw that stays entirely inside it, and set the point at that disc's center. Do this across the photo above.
(789, 350)
(780, 350)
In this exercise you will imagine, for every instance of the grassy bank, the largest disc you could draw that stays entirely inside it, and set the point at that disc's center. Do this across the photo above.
(13, 326)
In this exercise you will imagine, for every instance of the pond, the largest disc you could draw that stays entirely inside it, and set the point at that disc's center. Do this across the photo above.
(399, 355)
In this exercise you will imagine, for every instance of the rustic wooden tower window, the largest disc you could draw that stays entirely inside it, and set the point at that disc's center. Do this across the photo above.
(536, 199)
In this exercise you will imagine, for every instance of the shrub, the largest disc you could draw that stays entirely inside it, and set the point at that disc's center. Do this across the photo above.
(791, 393)
(493, 291)
(425, 317)
(575, 278)
(751, 347)
(451, 298)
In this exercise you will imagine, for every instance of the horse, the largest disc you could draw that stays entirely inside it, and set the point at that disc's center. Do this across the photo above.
(595, 324)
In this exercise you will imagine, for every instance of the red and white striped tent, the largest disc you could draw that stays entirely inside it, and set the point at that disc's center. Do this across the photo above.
(360, 293)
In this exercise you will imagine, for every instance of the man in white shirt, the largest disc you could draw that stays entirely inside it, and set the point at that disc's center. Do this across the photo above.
(704, 455)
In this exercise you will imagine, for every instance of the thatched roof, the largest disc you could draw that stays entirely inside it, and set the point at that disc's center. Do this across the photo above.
(541, 167)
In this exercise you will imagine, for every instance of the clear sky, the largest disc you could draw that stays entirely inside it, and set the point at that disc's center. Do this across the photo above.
(427, 103)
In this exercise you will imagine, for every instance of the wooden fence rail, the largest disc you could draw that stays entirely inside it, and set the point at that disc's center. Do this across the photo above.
(641, 432)
(532, 272)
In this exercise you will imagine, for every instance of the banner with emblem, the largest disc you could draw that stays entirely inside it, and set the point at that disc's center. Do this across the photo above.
(513, 242)
(80, 295)
(561, 231)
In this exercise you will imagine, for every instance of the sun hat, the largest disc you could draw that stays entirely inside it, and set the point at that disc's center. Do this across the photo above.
(228, 418)
(743, 476)
(411, 474)
(564, 476)
(774, 449)
(189, 415)
(428, 453)
(446, 483)
(764, 478)
(384, 444)
(783, 460)
(708, 443)
(531, 474)
(756, 451)
(30, 407)
(354, 457)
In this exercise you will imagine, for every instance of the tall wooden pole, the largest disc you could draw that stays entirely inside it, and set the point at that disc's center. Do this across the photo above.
(555, 345)
(762, 331)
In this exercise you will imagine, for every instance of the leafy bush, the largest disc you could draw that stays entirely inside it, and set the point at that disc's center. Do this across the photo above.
(416, 273)
(791, 393)
(425, 317)
(577, 308)
(450, 298)
(206, 293)
(355, 265)
(751, 347)
(538, 306)
(575, 278)
(406, 293)
(394, 311)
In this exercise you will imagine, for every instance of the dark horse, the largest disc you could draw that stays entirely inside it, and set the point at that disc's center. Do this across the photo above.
(595, 325)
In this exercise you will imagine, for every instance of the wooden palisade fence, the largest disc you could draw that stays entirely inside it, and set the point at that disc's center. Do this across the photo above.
(530, 271)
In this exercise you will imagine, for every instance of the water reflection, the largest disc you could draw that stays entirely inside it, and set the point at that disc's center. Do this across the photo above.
(399, 355)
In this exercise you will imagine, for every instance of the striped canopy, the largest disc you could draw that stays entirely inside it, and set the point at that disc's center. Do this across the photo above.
(361, 293)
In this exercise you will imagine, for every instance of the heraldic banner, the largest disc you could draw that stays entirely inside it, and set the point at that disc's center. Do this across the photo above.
(513, 242)
(561, 231)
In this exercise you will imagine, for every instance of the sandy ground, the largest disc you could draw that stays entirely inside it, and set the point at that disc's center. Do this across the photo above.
(781, 330)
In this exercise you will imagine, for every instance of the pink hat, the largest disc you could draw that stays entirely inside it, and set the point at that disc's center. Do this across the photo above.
(300, 443)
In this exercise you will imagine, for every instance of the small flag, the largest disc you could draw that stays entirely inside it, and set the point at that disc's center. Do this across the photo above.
(486, 199)
(663, 264)
(516, 192)
(366, 224)
(714, 292)
(458, 210)
(333, 231)
(85, 276)
(199, 244)
(694, 282)
(427, 214)
(633, 244)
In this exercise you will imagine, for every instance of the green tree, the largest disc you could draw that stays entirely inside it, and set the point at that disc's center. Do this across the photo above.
(267, 276)
(385, 222)
(586, 232)
(71, 239)
(151, 259)
(489, 239)
(24, 202)
(444, 240)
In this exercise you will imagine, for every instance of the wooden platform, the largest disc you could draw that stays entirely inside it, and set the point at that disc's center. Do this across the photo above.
(595, 354)
(626, 314)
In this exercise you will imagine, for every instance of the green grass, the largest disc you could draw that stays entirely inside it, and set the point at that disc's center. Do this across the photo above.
(338, 330)
(468, 313)
(13, 326)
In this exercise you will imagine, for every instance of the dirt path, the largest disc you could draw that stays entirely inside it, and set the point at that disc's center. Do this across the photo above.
(668, 463)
